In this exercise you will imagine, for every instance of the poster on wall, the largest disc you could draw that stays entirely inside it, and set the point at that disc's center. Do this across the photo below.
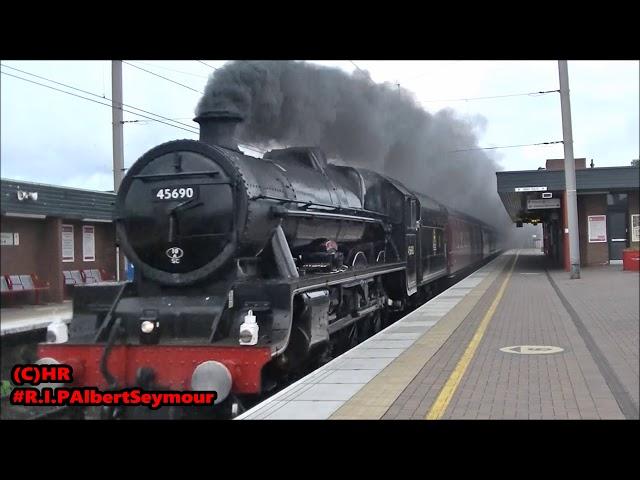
(635, 227)
(6, 239)
(88, 244)
(597, 228)
(67, 243)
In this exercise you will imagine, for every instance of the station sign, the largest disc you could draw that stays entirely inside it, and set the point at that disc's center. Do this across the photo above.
(542, 203)
(531, 189)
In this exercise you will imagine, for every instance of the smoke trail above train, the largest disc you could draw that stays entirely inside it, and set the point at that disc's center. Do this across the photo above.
(359, 122)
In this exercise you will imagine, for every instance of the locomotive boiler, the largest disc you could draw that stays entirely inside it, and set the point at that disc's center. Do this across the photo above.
(250, 269)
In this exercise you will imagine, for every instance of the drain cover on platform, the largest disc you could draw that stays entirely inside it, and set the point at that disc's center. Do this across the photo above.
(532, 349)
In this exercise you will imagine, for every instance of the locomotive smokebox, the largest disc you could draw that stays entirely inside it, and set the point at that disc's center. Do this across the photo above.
(218, 127)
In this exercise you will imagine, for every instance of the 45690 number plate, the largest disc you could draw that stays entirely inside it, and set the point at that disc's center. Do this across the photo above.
(175, 193)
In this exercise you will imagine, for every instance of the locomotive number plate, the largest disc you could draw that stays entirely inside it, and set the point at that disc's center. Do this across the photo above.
(175, 193)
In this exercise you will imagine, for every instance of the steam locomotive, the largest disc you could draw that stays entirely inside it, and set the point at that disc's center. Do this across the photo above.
(248, 269)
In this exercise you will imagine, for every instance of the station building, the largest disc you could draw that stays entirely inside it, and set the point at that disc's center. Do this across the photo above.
(608, 210)
(47, 230)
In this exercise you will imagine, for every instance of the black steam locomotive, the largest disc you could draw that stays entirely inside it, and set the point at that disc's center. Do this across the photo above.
(248, 269)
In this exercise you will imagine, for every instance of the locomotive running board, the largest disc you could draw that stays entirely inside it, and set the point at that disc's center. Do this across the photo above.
(320, 281)
(284, 212)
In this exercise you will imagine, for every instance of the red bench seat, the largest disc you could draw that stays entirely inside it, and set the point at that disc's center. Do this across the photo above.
(15, 284)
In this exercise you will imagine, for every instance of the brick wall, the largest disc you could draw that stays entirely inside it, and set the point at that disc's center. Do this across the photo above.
(40, 251)
(591, 253)
(105, 250)
(52, 261)
(37, 252)
(26, 257)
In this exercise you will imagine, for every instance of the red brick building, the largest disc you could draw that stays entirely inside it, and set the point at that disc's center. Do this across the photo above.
(49, 229)
(608, 209)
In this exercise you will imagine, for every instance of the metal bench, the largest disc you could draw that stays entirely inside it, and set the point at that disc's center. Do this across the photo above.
(100, 275)
(89, 276)
(97, 274)
(77, 277)
(14, 284)
(84, 277)
(68, 279)
(72, 278)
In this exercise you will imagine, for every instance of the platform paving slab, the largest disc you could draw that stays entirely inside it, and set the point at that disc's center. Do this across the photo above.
(500, 385)
(32, 317)
(399, 373)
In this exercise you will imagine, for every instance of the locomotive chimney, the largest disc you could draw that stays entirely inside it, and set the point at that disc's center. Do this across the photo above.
(218, 127)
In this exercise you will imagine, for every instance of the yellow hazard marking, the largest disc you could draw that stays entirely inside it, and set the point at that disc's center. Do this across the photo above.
(446, 394)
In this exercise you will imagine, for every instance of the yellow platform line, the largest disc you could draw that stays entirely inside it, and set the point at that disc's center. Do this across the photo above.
(446, 394)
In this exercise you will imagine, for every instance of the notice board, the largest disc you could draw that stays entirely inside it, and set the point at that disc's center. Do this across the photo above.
(88, 243)
(597, 228)
(67, 243)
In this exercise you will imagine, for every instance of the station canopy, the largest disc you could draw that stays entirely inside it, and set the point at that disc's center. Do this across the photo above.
(536, 196)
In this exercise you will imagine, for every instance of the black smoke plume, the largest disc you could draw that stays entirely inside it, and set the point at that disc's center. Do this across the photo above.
(359, 122)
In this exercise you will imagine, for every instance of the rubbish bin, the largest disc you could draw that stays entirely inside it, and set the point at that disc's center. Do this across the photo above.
(130, 270)
(631, 259)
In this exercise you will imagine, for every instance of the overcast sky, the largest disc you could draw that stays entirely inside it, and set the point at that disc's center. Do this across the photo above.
(51, 137)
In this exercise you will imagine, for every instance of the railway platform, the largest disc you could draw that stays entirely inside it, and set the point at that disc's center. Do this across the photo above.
(33, 317)
(513, 340)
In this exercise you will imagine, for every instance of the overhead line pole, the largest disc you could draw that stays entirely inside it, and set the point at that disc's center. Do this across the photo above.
(569, 170)
(118, 136)
(116, 111)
